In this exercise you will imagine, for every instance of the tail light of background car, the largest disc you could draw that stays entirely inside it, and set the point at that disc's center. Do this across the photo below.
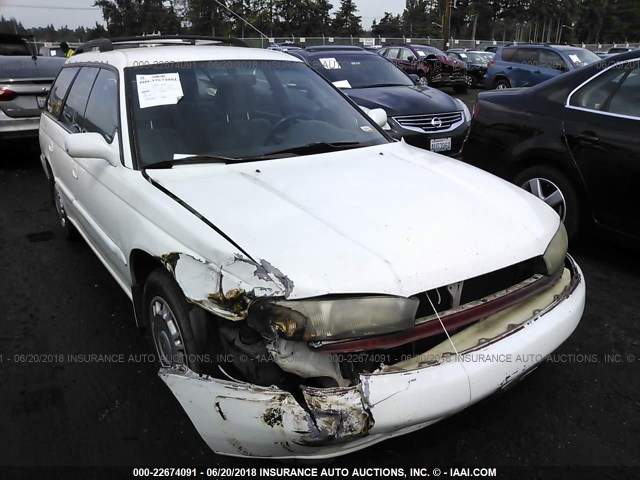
(7, 94)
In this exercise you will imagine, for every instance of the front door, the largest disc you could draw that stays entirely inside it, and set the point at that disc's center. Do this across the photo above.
(601, 123)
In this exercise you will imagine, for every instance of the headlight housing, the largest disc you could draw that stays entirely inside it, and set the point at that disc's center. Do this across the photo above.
(465, 110)
(557, 250)
(336, 319)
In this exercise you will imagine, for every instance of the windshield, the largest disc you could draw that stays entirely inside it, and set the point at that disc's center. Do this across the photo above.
(424, 51)
(359, 71)
(580, 57)
(240, 110)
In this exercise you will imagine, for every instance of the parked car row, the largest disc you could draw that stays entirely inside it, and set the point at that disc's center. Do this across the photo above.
(305, 279)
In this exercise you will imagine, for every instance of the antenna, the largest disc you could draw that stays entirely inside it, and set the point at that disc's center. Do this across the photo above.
(238, 16)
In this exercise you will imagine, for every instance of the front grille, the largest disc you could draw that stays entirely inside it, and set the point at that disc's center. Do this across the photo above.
(438, 122)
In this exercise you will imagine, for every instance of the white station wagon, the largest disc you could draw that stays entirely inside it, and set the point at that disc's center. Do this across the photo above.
(310, 286)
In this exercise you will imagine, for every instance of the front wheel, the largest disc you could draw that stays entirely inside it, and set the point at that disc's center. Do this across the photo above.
(553, 188)
(168, 324)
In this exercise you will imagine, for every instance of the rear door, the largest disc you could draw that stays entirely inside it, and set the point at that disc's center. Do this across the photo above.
(526, 70)
(601, 122)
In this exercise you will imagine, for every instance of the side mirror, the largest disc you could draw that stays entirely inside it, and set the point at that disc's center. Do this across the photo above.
(415, 79)
(411, 58)
(92, 145)
(379, 116)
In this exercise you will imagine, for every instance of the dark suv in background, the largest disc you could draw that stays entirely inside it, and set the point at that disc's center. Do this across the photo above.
(433, 66)
(529, 65)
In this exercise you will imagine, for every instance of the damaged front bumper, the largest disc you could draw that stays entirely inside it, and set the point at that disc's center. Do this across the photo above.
(242, 419)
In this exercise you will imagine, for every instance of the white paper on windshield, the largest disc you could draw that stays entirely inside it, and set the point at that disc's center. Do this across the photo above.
(330, 64)
(421, 53)
(574, 58)
(342, 84)
(159, 89)
(463, 55)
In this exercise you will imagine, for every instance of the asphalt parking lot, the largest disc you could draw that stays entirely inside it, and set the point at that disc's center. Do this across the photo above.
(60, 406)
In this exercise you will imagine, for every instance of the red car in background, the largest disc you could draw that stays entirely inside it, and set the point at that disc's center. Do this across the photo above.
(432, 65)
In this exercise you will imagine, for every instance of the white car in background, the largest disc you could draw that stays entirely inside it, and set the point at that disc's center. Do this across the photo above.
(310, 287)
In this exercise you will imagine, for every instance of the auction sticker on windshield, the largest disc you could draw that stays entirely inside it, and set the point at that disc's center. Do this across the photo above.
(159, 89)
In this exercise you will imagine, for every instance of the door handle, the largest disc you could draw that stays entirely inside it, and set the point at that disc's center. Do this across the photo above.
(537, 71)
(588, 137)
(509, 68)
(74, 170)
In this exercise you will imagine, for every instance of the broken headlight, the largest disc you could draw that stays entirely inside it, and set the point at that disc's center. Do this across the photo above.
(336, 319)
(557, 250)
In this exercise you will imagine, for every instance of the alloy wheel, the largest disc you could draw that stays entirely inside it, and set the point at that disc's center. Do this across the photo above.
(548, 192)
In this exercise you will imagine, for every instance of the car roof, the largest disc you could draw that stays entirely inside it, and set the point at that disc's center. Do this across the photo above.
(545, 45)
(335, 48)
(178, 54)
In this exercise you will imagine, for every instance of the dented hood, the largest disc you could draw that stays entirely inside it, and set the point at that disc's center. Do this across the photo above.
(388, 219)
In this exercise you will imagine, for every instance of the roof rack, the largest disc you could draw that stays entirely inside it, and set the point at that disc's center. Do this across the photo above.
(107, 45)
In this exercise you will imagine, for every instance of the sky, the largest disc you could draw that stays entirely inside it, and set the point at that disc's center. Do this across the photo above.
(75, 13)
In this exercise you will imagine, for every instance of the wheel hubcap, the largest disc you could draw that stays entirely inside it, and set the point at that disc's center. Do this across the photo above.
(502, 86)
(424, 81)
(548, 192)
(166, 334)
(469, 81)
(62, 216)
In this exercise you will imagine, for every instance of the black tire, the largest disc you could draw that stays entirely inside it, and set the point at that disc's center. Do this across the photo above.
(182, 349)
(69, 232)
(501, 84)
(551, 178)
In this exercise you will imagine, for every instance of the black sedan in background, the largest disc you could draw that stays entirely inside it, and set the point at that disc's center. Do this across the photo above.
(572, 141)
(423, 116)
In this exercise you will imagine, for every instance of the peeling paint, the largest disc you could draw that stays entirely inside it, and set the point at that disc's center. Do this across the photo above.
(273, 417)
(226, 290)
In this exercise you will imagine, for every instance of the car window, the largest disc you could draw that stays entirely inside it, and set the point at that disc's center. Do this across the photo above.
(101, 115)
(550, 59)
(406, 54)
(59, 90)
(626, 101)
(509, 54)
(392, 53)
(595, 95)
(73, 111)
(245, 110)
(359, 70)
(528, 56)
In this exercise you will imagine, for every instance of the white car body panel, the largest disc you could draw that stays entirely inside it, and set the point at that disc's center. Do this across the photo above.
(391, 213)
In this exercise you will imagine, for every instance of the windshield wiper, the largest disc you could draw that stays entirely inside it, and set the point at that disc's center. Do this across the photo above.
(316, 147)
(196, 159)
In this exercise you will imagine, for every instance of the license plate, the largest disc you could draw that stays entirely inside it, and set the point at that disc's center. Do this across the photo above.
(441, 144)
(41, 101)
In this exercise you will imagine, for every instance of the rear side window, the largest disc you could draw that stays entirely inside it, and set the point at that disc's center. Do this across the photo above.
(509, 54)
(59, 90)
(406, 54)
(101, 115)
(73, 110)
(596, 94)
(528, 56)
(626, 101)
